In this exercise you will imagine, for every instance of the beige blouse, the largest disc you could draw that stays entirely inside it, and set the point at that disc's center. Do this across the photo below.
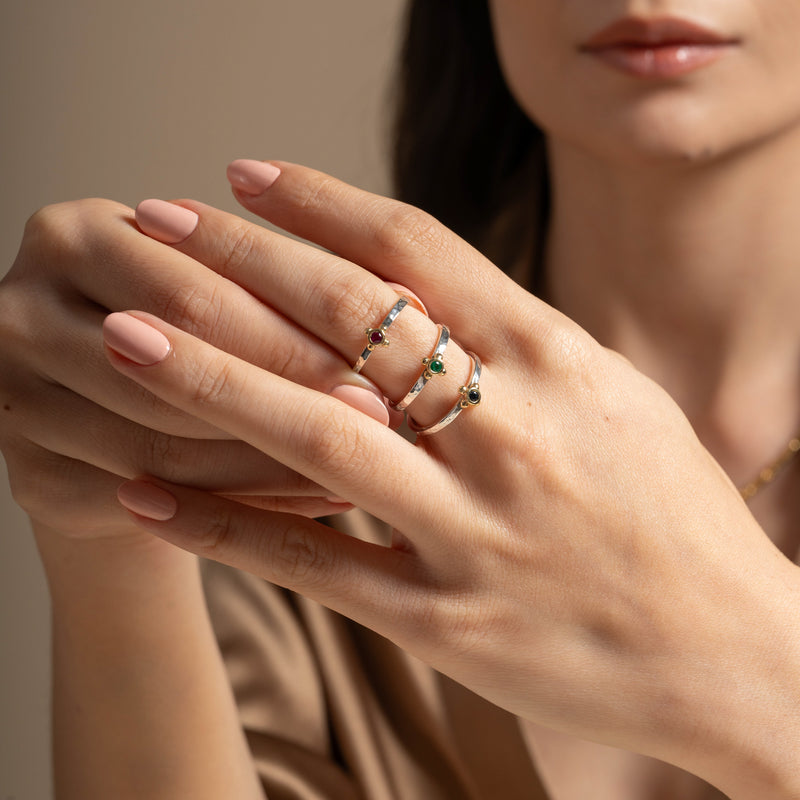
(335, 711)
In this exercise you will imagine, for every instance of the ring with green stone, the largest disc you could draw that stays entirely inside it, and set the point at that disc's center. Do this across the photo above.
(432, 365)
(469, 395)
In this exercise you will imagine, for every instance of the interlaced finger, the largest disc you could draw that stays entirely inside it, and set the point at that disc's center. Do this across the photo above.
(337, 302)
(333, 445)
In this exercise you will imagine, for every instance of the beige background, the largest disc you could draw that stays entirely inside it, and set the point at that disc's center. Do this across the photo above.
(152, 99)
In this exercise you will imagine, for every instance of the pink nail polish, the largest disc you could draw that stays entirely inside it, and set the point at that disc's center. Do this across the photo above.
(147, 500)
(252, 177)
(165, 221)
(134, 339)
(363, 400)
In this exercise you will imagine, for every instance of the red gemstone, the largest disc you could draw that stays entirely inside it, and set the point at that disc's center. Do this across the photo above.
(376, 337)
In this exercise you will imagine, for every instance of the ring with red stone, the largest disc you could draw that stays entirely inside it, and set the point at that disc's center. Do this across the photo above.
(469, 395)
(376, 337)
(432, 365)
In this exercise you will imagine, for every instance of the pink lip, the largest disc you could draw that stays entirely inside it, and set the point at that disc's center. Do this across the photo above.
(663, 47)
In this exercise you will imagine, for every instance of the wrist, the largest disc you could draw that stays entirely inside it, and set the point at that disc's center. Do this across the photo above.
(134, 565)
(745, 736)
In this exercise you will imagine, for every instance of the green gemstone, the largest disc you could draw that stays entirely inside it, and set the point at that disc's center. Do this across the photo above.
(436, 366)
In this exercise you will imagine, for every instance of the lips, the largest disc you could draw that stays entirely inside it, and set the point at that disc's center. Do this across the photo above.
(657, 48)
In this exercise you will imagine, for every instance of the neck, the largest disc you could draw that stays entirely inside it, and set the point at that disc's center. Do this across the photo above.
(693, 272)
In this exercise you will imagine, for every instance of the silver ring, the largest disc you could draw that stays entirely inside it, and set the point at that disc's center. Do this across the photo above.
(432, 365)
(469, 395)
(376, 337)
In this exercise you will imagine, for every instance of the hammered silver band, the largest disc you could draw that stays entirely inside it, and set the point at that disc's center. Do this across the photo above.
(376, 337)
(432, 365)
(469, 395)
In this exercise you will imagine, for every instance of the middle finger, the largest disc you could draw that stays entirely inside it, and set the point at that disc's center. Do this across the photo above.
(333, 299)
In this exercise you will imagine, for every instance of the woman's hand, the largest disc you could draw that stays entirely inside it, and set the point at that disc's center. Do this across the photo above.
(566, 548)
(71, 427)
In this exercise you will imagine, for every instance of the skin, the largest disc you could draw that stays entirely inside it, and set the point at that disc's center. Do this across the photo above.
(475, 561)
(658, 532)
(70, 430)
(663, 270)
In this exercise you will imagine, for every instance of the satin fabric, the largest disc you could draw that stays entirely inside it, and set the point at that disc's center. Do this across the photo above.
(333, 711)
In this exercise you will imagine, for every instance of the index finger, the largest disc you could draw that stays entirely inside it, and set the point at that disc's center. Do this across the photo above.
(393, 239)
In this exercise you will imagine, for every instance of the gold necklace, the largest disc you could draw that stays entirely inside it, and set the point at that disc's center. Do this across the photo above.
(770, 472)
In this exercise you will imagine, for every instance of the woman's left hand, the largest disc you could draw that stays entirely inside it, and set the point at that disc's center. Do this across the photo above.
(566, 548)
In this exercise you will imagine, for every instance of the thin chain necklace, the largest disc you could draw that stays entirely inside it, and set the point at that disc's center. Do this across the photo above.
(770, 472)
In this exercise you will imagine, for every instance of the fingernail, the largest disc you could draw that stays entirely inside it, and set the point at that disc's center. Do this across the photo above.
(363, 400)
(147, 500)
(252, 177)
(134, 339)
(165, 221)
(412, 298)
(338, 500)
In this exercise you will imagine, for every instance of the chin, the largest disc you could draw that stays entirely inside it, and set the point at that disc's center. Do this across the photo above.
(654, 135)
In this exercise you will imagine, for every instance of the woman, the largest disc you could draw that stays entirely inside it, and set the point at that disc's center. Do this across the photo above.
(567, 543)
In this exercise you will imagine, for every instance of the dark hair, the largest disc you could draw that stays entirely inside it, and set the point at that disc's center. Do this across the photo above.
(463, 149)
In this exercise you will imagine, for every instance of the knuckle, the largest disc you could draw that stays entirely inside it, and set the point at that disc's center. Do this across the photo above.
(569, 350)
(51, 224)
(195, 310)
(316, 195)
(574, 352)
(338, 297)
(408, 231)
(547, 338)
(237, 248)
(300, 559)
(161, 454)
(214, 382)
(62, 228)
(447, 621)
(218, 527)
(332, 444)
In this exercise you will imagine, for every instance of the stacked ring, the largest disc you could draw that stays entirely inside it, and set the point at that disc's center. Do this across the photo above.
(432, 365)
(469, 395)
(376, 337)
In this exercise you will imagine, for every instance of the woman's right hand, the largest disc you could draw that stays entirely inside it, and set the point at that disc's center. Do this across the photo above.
(71, 428)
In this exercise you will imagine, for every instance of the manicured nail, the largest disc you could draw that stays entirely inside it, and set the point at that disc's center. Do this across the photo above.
(147, 500)
(165, 221)
(363, 400)
(252, 177)
(134, 339)
(412, 298)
